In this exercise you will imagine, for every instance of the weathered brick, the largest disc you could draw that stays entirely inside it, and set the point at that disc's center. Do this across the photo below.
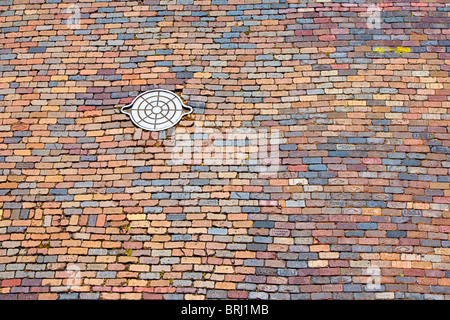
(356, 177)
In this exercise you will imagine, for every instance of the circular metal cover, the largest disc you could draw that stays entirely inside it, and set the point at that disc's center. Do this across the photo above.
(156, 110)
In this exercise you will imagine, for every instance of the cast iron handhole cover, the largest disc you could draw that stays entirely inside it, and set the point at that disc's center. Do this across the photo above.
(156, 110)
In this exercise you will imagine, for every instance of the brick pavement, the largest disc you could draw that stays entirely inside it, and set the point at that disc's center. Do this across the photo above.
(94, 208)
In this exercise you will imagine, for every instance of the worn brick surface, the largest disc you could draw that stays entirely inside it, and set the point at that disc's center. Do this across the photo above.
(364, 150)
